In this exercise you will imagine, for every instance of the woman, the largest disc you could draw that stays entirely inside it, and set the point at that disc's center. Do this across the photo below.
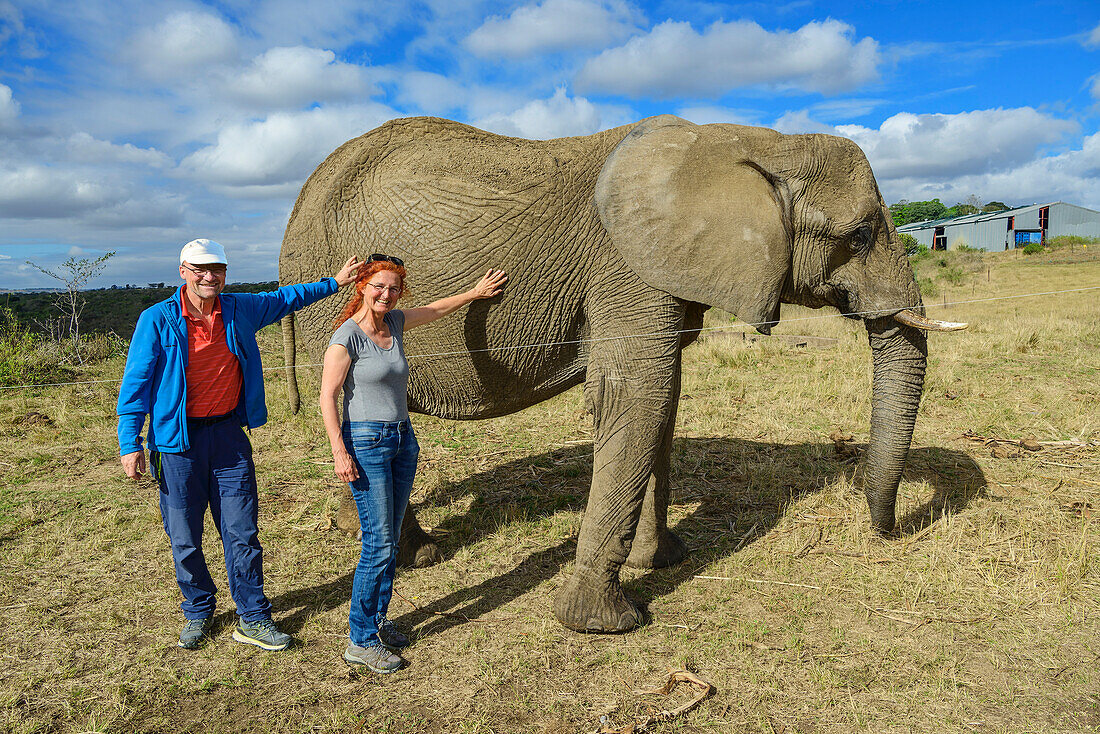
(375, 449)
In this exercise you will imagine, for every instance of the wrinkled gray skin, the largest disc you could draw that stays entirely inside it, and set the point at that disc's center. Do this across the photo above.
(633, 232)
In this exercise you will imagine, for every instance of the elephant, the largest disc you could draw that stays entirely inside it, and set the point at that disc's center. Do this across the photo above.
(615, 244)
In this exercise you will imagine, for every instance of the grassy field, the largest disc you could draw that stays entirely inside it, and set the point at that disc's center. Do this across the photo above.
(982, 615)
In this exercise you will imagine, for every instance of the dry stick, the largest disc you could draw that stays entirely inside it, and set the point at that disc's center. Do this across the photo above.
(758, 581)
(675, 677)
(1072, 479)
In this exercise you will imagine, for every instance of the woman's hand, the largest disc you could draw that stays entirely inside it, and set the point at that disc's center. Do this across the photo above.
(490, 285)
(345, 466)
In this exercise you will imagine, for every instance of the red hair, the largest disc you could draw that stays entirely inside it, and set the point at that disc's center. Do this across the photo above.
(366, 272)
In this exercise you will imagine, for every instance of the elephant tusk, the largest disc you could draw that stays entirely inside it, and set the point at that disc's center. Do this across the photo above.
(911, 318)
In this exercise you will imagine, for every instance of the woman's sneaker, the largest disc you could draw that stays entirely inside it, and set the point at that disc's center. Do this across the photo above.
(261, 633)
(390, 636)
(373, 657)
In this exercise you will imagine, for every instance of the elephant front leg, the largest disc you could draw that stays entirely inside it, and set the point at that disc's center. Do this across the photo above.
(631, 417)
(655, 546)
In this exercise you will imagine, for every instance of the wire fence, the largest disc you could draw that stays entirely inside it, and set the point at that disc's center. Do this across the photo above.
(593, 340)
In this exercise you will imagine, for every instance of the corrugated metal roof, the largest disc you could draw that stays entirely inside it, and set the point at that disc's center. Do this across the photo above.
(967, 218)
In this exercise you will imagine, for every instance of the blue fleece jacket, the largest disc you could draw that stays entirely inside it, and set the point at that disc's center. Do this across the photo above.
(155, 383)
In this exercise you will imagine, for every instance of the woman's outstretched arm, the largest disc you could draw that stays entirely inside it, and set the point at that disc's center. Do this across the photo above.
(490, 285)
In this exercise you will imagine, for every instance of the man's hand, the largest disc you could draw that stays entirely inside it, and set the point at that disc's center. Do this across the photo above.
(134, 464)
(347, 274)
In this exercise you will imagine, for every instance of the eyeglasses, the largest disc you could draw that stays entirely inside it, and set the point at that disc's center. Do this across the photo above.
(396, 289)
(375, 257)
(217, 271)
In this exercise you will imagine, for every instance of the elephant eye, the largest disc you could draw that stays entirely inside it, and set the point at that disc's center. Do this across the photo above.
(862, 239)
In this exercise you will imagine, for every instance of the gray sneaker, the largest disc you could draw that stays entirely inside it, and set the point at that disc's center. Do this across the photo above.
(390, 636)
(373, 657)
(261, 633)
(193, 633)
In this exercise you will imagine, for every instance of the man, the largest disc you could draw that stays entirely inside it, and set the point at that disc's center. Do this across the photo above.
(194, 369)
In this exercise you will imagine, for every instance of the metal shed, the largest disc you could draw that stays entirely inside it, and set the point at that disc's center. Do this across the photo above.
(1006, 229)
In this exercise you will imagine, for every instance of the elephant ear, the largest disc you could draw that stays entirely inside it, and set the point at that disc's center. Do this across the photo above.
(693, 215)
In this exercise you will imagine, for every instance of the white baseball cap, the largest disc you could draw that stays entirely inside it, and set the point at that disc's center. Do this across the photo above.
(203, 252)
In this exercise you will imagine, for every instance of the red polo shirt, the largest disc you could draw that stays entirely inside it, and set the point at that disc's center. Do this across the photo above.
(213, 373)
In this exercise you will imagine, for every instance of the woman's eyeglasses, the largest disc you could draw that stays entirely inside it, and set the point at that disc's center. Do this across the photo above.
(375, 257)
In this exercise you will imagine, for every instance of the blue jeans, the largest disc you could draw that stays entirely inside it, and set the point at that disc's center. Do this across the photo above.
(217, 471)
(385, 454)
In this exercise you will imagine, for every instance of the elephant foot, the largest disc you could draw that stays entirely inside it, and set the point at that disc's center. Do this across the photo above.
(417, 549)
(668, 550)
(590, 604)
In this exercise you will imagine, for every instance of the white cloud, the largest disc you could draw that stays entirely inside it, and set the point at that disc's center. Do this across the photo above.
(1094, 87)
(251, 158)
(998, 154)
(555, 25)
(38, 192)
(291, 77)
(796, 122)
(182, 43)
(1094, 37)
(981, 141)
(674, 60)
(707, 114)
(1073, 176)
(83, 148)
(557, 117)
(9, 108)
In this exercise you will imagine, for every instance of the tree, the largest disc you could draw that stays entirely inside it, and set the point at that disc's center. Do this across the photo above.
(74, 274)
(907, 212)
(909, 242)
(995, 206)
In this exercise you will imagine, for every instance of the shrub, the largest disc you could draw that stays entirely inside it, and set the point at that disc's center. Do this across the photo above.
(953, 275)
(1033, 248)
(21, 362)
(967, 248)
(1070, 240)
(928, 287)
(909, 242)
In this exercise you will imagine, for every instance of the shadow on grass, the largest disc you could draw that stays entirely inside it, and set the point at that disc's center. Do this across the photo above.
(742, 488)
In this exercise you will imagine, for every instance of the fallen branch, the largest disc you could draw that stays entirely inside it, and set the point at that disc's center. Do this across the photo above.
(675, 677)
(1028, 443)
(758, 581)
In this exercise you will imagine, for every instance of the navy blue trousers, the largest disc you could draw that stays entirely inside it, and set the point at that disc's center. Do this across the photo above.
(216, 472)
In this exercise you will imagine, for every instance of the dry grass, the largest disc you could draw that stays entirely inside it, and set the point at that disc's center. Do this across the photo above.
(980, 616)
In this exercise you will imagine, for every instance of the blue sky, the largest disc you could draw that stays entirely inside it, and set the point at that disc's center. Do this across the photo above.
(137, 126)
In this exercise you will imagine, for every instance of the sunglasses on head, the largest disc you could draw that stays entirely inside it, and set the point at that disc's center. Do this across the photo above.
(375, 257)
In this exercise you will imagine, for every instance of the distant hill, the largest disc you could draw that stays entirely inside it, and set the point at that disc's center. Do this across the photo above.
(108, 309)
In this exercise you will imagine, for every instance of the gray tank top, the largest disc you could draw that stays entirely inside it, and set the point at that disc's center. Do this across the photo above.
(377, 385)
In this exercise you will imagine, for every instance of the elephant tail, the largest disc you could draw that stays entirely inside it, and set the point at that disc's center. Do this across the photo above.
(290, 360)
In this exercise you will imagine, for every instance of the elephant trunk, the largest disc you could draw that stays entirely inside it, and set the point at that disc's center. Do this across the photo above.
(290, 360)
(899, 355)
